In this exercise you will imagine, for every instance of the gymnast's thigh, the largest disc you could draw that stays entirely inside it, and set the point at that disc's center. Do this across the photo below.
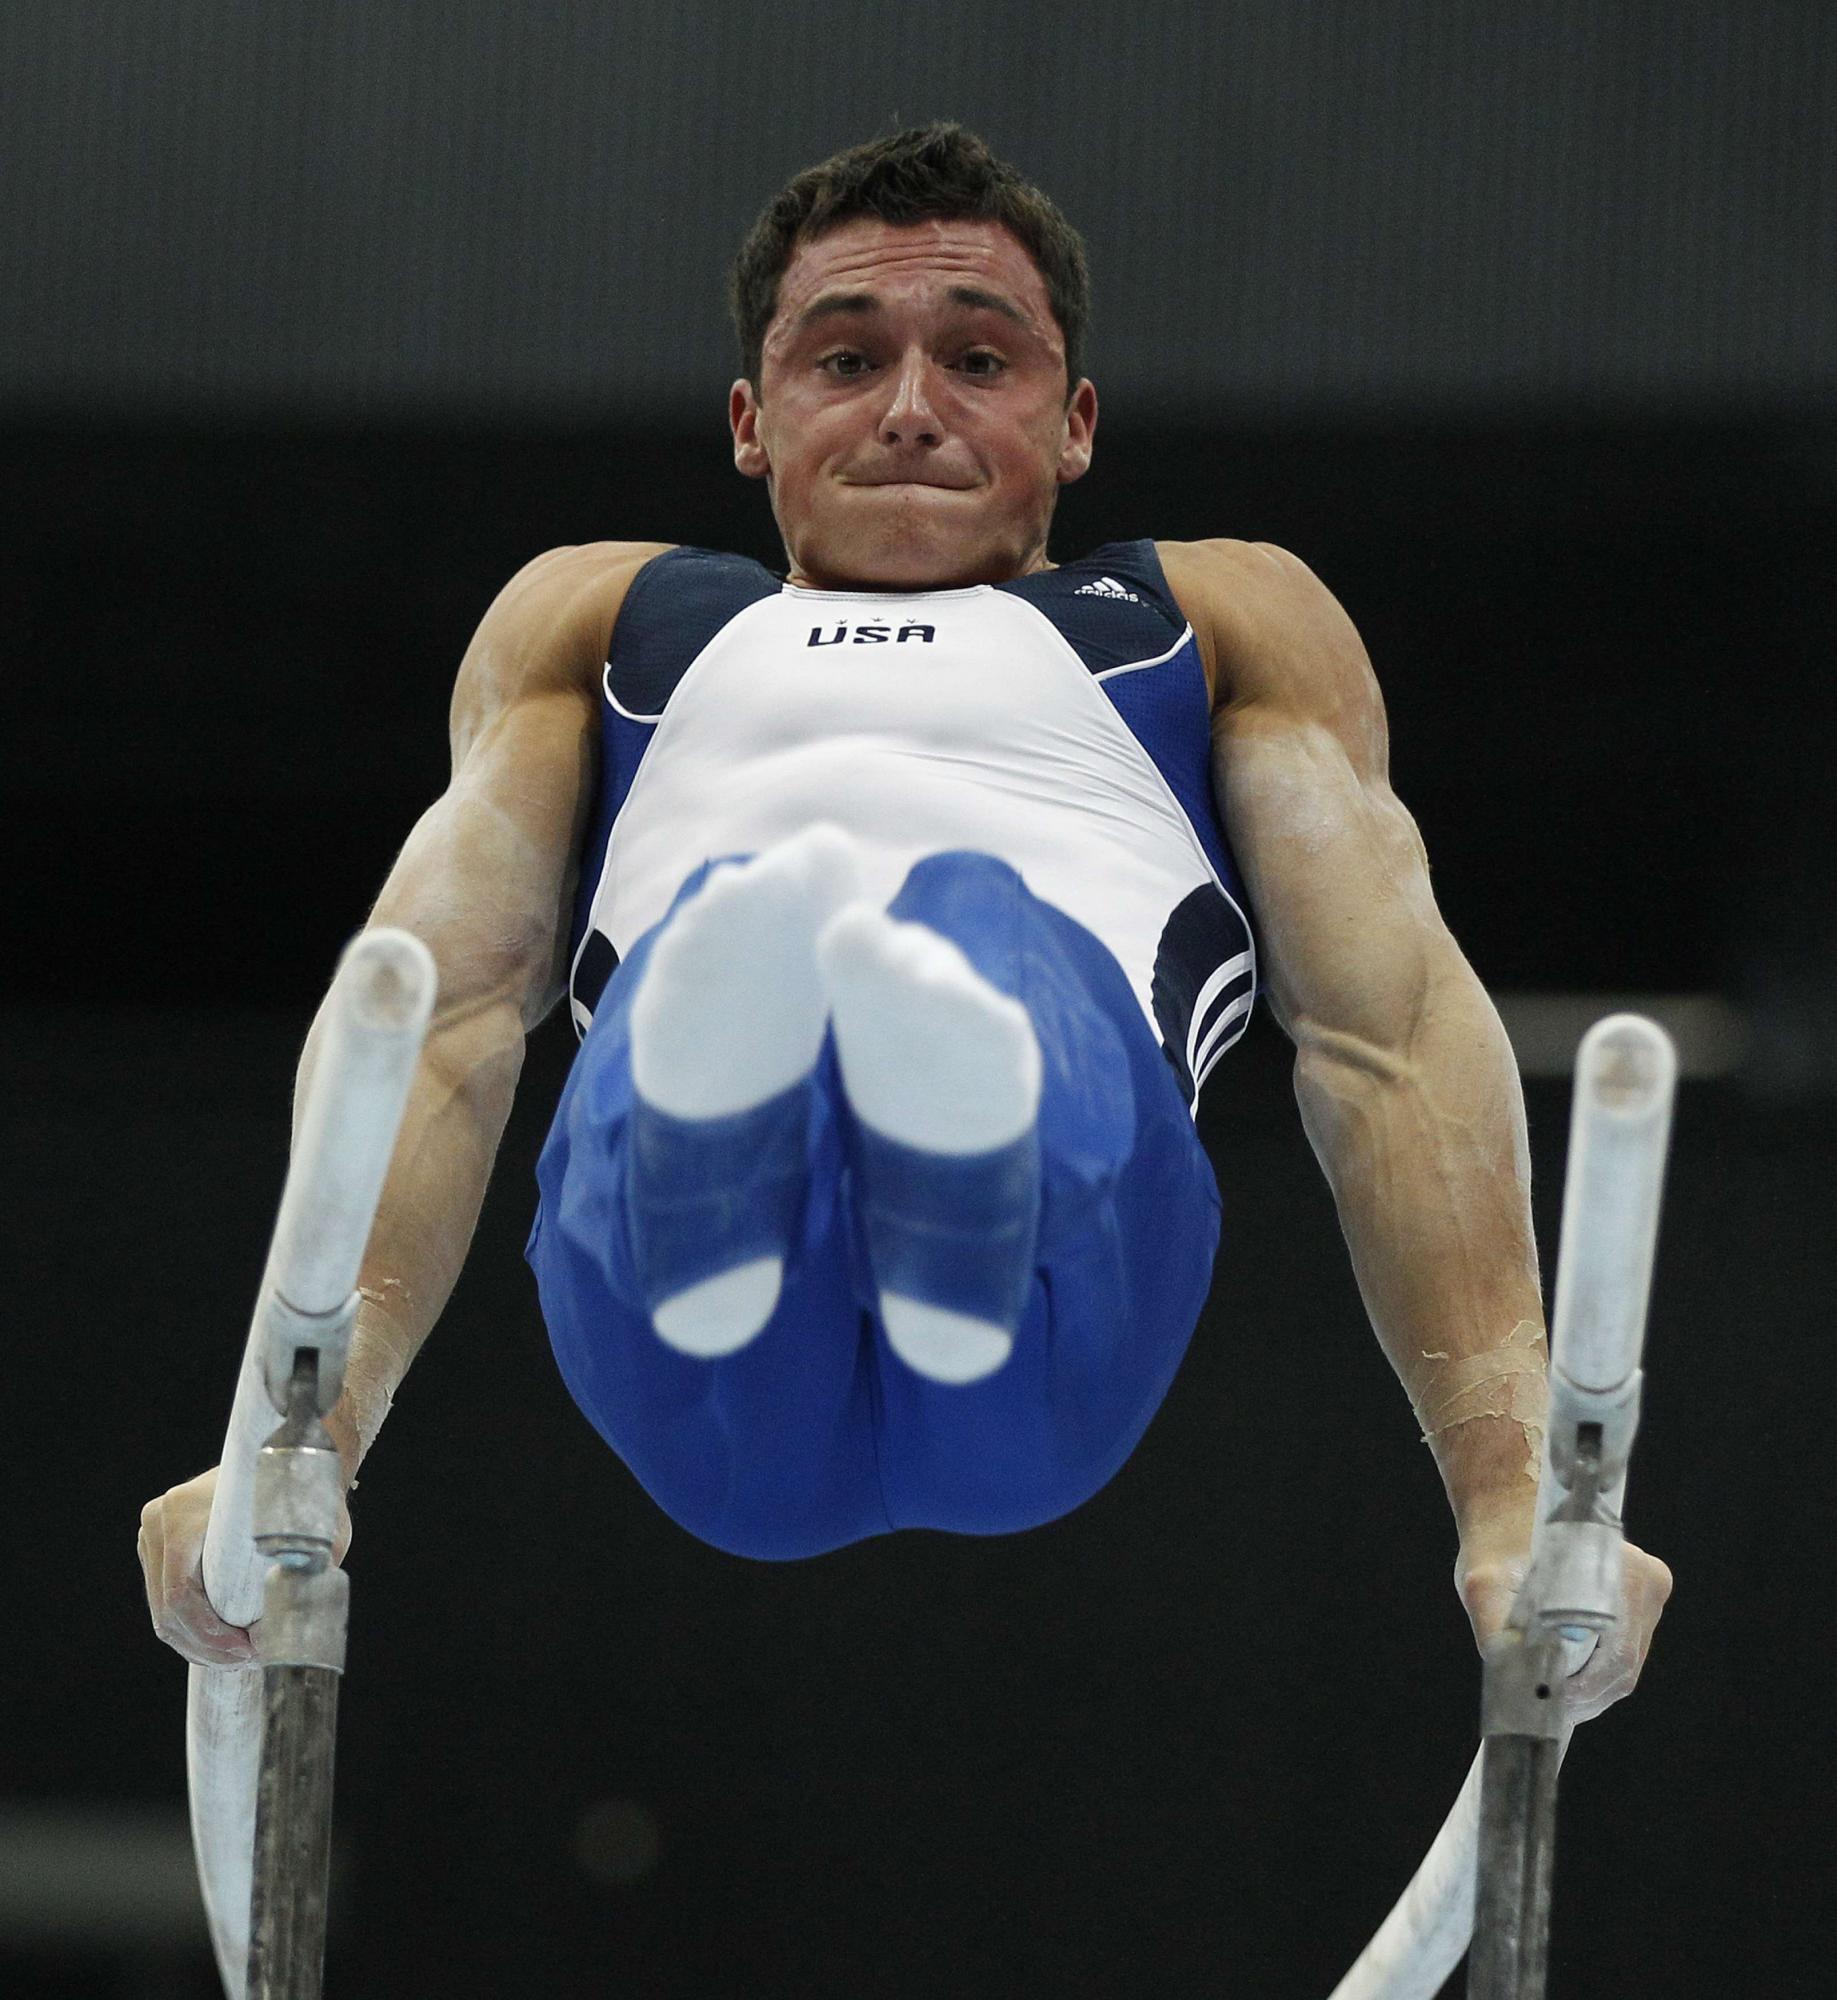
(1128, 1234)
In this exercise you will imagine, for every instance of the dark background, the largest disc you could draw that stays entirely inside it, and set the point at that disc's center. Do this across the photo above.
(1514, 323)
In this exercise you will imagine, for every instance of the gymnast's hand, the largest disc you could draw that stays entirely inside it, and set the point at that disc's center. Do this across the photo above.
(1488, 1580)
(172, 1560)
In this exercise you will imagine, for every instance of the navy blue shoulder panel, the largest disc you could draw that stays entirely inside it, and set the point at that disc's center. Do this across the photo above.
(1113, 606)
(676, 604)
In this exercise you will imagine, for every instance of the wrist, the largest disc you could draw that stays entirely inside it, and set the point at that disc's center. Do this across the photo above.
(1490, 1462)
(354, 1421)
(1483, 1416)
(381, 1347)
(1494, 1518)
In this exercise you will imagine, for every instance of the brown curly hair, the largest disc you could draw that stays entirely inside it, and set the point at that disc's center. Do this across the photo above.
(926, 173)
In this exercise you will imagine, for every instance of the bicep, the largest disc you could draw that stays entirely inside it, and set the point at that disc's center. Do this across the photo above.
(486, 877)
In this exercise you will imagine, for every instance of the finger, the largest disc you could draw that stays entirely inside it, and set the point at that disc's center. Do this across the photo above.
(1613, 1673)
(190, 1627)
(225, 1644)
(1488, 1590)
(1651, 1589)
(1608, 1677)
(149, 1545)
(209, 1638)
(178, 1566)
(189, 1621)
(1489, 1605)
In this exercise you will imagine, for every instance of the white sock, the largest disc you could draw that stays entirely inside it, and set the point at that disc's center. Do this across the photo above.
(731, 1010)
(730, 1013)
(947, 1346)
(933, 1056)
(721, 1314)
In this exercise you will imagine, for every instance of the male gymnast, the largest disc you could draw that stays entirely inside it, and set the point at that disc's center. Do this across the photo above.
(903, 907)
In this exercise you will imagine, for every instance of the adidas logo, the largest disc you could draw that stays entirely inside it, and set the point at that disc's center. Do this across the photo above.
(1107, 586)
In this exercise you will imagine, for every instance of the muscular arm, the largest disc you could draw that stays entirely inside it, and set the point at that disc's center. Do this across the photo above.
(1406, 1082)
(486, 880)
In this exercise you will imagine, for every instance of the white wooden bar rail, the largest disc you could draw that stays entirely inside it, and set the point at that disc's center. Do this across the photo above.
(376, 1017)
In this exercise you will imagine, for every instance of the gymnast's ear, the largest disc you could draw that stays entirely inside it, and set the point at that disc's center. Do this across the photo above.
(743, 420)
(1080, 432)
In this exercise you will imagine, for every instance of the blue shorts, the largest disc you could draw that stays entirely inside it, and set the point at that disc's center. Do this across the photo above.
(816, 1434)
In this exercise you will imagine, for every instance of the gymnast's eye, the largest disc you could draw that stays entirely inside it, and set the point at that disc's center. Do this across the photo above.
(982, 361)
(846, 363)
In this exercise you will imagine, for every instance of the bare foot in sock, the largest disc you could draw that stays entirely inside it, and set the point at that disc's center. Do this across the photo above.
(731, 1012)
(934, 1057)
(732, 1009)
(931, 1053)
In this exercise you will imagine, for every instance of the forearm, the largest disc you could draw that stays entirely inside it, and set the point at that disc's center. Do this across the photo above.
(1423, 1143)
(458, 1104)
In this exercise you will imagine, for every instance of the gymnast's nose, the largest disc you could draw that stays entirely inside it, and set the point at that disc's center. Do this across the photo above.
(910, 417)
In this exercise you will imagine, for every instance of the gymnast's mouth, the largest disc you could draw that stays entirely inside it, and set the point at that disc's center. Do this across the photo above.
(905, 479)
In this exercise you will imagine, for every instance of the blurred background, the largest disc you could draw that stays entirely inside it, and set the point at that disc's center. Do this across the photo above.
(316, 321)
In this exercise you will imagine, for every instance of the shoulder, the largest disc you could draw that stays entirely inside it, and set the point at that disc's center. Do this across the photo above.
(1271, 634)
(565, 597)
(547, 631)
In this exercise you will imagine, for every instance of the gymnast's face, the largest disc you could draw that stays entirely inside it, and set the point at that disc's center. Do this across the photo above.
(910, 418)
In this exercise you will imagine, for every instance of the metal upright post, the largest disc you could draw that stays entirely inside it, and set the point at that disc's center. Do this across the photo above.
(293, 1835)
(1522, 1720)
(1522, 1723)
(305, 1607)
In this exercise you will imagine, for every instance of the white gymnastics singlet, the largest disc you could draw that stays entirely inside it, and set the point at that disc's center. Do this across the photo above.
(1059, 722)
